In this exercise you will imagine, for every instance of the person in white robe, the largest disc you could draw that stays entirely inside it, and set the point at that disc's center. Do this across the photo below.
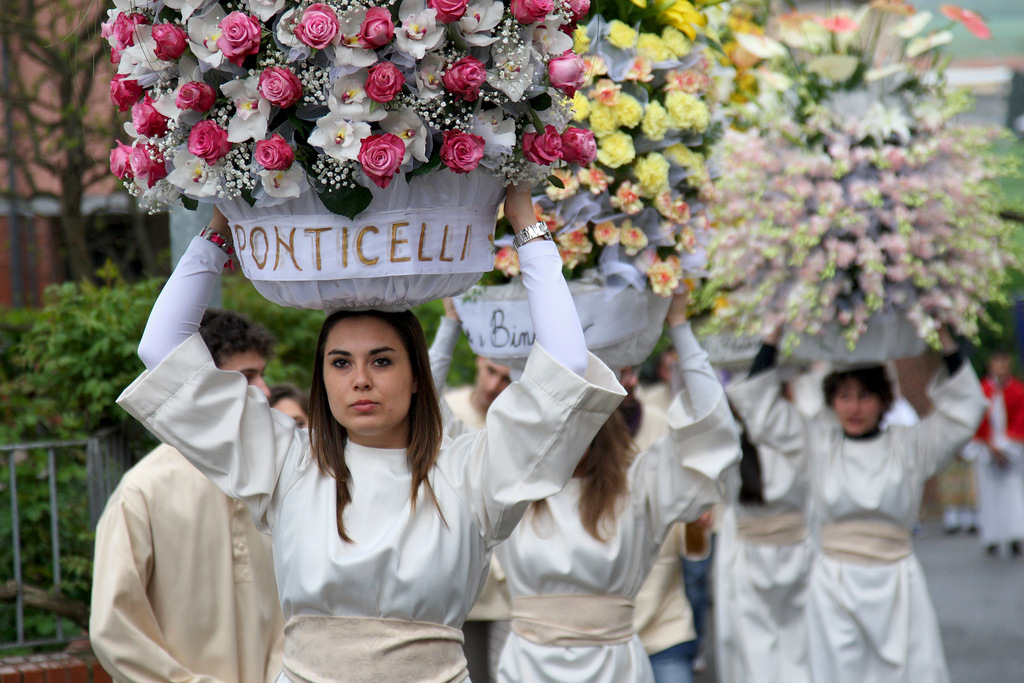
(387, 602)
(573, 594)
(870, 619)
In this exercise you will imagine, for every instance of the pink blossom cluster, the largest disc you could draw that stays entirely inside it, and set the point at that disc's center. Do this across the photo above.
(226, 98)
(811, 236)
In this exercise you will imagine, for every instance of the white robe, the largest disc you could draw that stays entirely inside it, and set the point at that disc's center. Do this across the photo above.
(1000, 489)
(869, 623)
(403, 563)
(552, 554)
(760, 589)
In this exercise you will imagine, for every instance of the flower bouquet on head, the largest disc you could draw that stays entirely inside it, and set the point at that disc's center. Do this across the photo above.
(631, 222)
(855, 211)
(340, 110)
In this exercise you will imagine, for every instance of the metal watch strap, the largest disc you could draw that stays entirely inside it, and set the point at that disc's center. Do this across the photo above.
(538, 229)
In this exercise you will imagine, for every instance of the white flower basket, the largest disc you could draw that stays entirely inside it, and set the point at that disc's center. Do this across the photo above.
(419, 240)
(621, 326)
(889, 336)
(728, 351)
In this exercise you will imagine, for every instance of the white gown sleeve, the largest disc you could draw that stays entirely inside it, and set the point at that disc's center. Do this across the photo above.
(179, 308)
(959, 406)
(441, 351)
(554, 316)
(223, 426)
(769, 418)
(680, 477)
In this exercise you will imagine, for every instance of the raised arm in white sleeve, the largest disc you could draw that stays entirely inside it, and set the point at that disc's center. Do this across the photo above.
(179, 308)
(555, 320)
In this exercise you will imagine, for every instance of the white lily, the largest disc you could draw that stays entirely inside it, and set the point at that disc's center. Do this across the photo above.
(410, 128)
(480, 18)
(252, 112)
(419, 30)
(761, 47)
(880, 123)
(912, 25)
(193, 176)
(338, 136)
(834, 67)
(884, 72)
(918, 46)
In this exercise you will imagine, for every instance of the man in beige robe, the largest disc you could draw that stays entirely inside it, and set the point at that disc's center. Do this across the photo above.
(183, 583)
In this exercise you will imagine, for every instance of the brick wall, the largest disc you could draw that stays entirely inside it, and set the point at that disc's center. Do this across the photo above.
(52, 668)
(39, 261)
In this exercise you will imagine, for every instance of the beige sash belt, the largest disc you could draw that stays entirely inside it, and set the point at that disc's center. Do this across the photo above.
(355, 649)
(786, 528)
(573, 620)
(865, 542)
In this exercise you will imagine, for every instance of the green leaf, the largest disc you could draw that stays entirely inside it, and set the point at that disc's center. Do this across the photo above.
(347, 201)
(556, 181)
(433, 162)
(541, 102)
(537, 123)
(189, 203)
(247, 196)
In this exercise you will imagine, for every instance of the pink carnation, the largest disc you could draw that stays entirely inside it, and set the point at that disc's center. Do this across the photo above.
(208, 141)
(274, 154)
(170, 40)
(543, 149)
(124, 92)
(380, 156)
(461, 152)
(280, 86)
(377, 28)
(239, 38)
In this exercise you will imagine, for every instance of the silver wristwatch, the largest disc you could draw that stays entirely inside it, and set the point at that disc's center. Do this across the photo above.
(538, 229)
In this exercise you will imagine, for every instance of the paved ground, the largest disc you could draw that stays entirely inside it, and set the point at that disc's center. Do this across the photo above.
(980, 605)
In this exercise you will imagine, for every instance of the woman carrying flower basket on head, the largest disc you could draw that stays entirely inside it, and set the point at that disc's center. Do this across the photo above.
(382, 527)
(870, 619)
(575, 565)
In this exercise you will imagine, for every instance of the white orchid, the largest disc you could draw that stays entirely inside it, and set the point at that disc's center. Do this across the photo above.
(193, 176)
(281, 185)
(348, 97)
(428, 78)
(203, 33)
(480, 19)
(286, 38)
(265, 9)
(252, 112)
(419, 31)
(512, 73)
(186, 7)
(338, 136)
(548, 39)
(498, 132)
(348, 51)
(410, 128)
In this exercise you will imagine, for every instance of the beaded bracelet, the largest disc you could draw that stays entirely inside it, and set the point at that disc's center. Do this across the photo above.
(208, 233)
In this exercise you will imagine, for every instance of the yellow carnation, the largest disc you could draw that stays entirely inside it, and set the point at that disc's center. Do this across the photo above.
(621, 35)
(678, 44)
(616, 150)
(629, 111)
(685, 157)
(652, 172)
(580, 107)
(656, 121)
(580, 40)
(603, 120)
(687, 111)
(654, 48)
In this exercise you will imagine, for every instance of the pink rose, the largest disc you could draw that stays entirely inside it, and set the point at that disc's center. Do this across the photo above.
(123, 29)
(578, 146)
(461, 152)
(383, 82)
(119, 165)
(381, 155)
(567, 72)
(170, 41)
(208, 141)
(543, 149)
(531, 11)
(147, 164)
(465, 77)
(274, 154)
(579, 9)
(197, 96)
(377, 28)
(448, 11)
(318, 27)
(147, 120)
(280, 86)
(239, 38)
(124, 93)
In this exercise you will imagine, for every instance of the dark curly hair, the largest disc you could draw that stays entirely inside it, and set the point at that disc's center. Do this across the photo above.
(874, 380)
(227, 333)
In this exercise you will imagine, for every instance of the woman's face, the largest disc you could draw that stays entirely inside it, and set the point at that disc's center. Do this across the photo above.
(369, 382)
(859, 411)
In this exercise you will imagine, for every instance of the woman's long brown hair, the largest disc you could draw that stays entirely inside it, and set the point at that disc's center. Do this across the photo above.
(603, 471)
(327, 438)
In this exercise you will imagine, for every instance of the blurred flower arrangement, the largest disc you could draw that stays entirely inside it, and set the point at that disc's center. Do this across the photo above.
(854, 194)
(262, 99)
(635, 209)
